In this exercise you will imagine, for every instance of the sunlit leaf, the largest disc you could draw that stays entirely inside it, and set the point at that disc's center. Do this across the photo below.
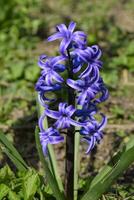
(51, 158)
(30, 184)
(6, 174)
(11, 151)
(13, 196)
(110, 172)
(3, 190)
(50, 178)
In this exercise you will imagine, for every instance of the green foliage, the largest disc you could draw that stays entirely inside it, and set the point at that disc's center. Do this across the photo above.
(31, 180)
(18, 15)
(124, 58)
(19, 24)
(111, 78)
(30, 184)
(110, 172)
(26, 185)
(3, 190)
(32, 72)
(12, 153)
(6, 175)
(117, 111)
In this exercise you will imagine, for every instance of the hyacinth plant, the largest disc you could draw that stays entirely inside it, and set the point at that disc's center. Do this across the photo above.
(69, 89)
(74, 78)
(85, 89)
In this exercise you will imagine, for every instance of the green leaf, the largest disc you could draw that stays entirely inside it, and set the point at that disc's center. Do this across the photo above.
(44, 194)
(129, 49)
(76, 159)
(52, 158)
(110, 172)
(12, 153)
(53, 166)
(42, 197)
(50, 178)
(17, 71)
(6, 174)
(32, 72)
(16, 162)
(13, 196)
(4, 189)
(30, 184)
(76, 164)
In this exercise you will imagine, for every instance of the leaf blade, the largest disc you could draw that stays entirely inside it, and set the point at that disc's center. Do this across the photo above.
(11, 149)
(4, 189)
(104, 179)
(16, 162)
(76, 158)
(51, 180)
(30, 184)
(52, 157)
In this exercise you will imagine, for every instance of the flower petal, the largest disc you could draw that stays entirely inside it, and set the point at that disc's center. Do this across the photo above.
(80, 34)
(40, 122)
(104, 96)
(44, 147)
(53, 37)
(57, 77)
(66, 123)
(96, 51)
(62, 29)
(75, 123)
(77, 69)
(62, 107)
(86, 72)
(82, 97)
(56, 139)
(64, 45)
(103, 122)
(70, 110)
(42, 99)
(59, 67)
(98, 136)
(56, 60)
(53, 114)
(41, 61)
(73, 84)
(49, 78)
(71, 26)
(60, 123)
(91, 141)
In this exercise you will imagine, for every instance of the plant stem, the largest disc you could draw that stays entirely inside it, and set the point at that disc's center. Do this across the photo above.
(69, 165)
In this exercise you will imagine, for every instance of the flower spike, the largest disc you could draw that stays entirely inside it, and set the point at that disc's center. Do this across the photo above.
(76, 71)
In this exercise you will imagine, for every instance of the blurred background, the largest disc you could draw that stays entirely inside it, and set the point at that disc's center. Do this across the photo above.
(24, 27)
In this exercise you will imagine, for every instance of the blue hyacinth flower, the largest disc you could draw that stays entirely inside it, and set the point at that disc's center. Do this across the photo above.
(82, 81)
(92, 132)
(63, 116)
(68, 37)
